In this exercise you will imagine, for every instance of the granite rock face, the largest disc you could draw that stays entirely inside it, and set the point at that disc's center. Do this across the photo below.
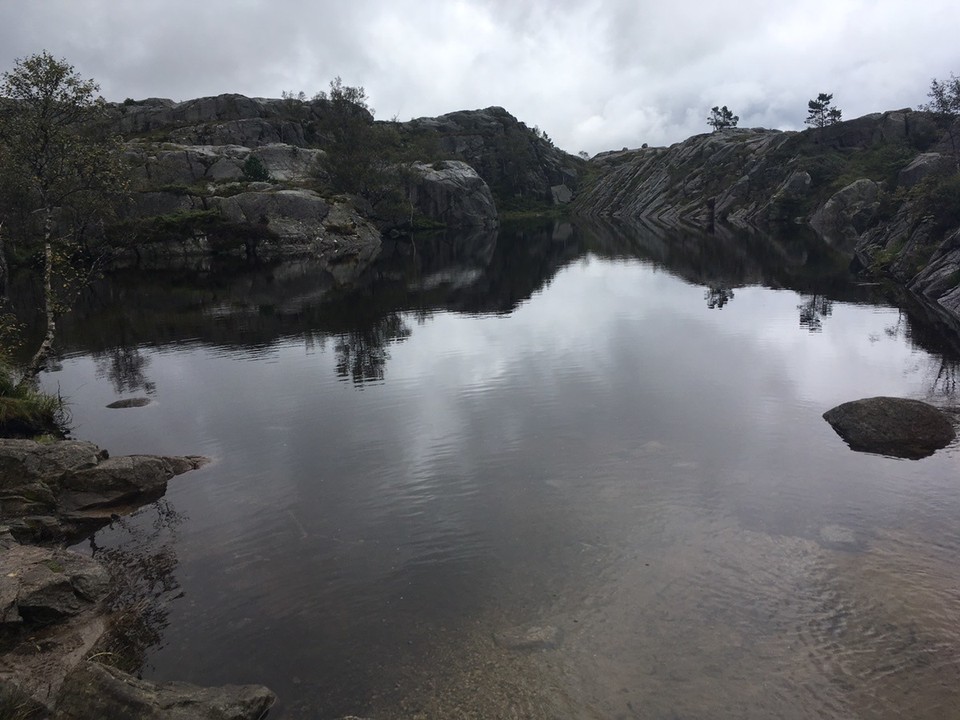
(55, 603)
(518, 163)
(227, 119)
(922, 167)
(41, 585)
(847, 213)
(757, 178)
(451, 192)
(264, 221)
(155, 166)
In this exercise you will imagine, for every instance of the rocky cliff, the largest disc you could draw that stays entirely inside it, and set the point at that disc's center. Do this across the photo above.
(520, 164)
(244, 176)
(882, 188)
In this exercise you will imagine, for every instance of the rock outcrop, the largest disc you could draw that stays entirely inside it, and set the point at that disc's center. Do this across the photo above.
(227, 175)
(876, 187)
(155, 166)
(892, 426)
(264, 221)
(520, 164)
(55, 603)
(848, 213)
(207, 140)
(52, 616)
(227, 119)
(43, 585)
(673, 185)
(452, 193)
(58, 490)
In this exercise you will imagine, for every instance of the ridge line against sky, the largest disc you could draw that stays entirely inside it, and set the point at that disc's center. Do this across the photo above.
(594, 74)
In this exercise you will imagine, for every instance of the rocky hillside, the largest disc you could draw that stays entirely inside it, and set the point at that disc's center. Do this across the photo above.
(521, 165)
(245, 176)
(882, 188)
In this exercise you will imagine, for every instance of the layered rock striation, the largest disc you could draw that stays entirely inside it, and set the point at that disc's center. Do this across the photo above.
(882, 188)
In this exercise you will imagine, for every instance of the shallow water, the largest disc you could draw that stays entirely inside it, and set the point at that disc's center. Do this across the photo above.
(606, 441)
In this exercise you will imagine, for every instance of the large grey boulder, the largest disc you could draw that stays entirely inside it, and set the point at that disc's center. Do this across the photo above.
(126, 480)
(892, 426)
(98, 691)
(451, 192)
(288, 213)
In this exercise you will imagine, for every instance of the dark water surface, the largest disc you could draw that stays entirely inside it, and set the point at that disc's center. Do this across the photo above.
(547, 474)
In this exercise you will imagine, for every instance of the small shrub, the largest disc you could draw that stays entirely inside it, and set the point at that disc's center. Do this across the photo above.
(25, 412)
(254, 170)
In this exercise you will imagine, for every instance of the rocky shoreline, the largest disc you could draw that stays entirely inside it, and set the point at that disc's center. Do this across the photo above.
(55, 618)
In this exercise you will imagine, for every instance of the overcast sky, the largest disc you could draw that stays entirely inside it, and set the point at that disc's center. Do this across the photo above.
(594, 74)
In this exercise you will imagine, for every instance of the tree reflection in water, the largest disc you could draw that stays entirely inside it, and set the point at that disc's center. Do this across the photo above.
(943, 368)
(813, 310)
(717, 296)
(141, 560)
(125, 368)
(362, 353)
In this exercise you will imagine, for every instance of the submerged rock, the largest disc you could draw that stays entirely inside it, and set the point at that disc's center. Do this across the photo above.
(129, 403)
(892, 426)
(529, 637)
(98, 691)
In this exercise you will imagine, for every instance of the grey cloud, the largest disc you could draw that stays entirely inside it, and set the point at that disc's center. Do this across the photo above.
(595, 74)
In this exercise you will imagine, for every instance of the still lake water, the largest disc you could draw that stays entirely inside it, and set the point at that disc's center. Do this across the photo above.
(554, 473)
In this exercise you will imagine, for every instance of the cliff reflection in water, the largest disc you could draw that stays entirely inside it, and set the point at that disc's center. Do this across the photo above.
(234, 305)
(611, 431)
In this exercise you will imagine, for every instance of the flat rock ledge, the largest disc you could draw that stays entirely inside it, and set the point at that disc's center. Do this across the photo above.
(898, 427)
(52, 492)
